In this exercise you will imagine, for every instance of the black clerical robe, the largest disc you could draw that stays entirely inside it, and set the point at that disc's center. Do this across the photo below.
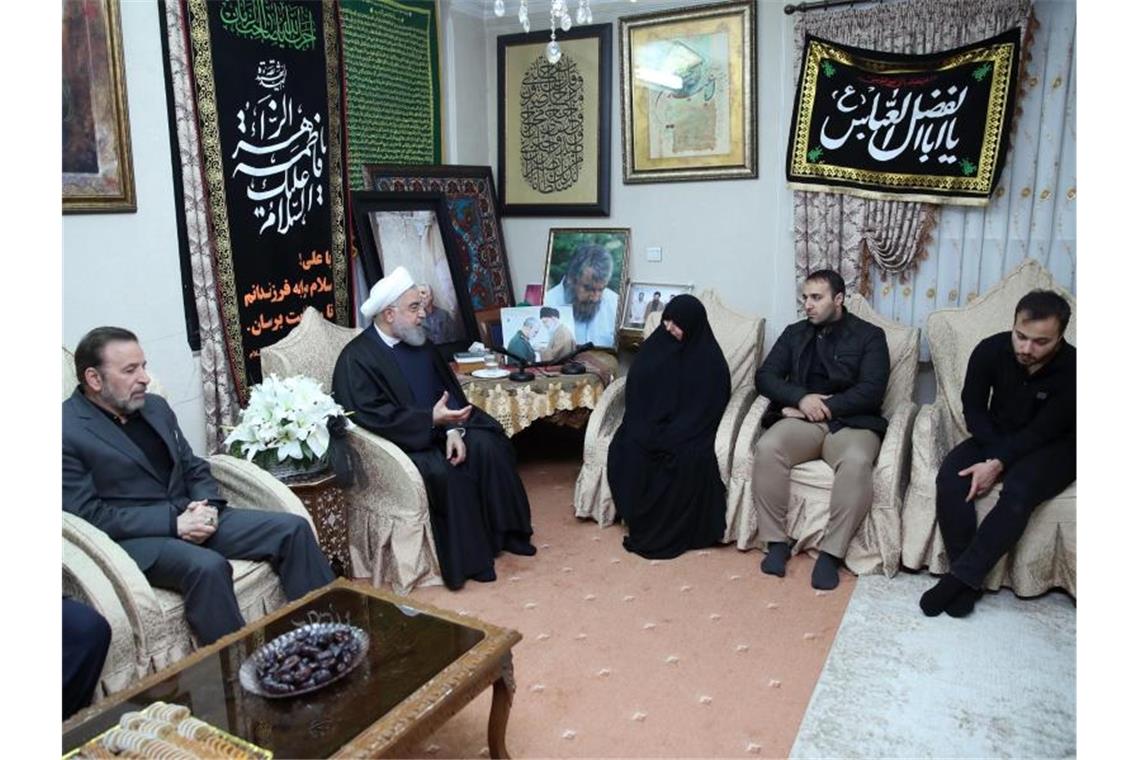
(477, 506)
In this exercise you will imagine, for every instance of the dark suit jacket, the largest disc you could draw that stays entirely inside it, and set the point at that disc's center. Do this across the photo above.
(108, 481)
(858, 371)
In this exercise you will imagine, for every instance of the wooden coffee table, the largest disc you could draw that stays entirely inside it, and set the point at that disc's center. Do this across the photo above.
(423, 665)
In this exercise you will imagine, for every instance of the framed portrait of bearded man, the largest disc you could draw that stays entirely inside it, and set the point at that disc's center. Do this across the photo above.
(586, 272)
(554, 122)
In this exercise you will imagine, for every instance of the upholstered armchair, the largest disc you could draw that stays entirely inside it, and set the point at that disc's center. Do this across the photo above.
(148, 625)
(875, 546)
(741, 338)
(1046, 555)
(389, 527)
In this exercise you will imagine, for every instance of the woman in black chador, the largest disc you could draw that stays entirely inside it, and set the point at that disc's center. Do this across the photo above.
(662, 466)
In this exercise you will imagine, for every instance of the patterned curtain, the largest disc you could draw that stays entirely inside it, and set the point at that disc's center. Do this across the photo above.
(218, 393)
(849, 234)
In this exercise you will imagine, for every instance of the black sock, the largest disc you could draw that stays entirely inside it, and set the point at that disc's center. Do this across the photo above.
(825, 574)
(934, 601)
(963, 604)
(777, 559)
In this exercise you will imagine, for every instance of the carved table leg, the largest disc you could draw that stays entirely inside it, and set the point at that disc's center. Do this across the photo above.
(503, 694)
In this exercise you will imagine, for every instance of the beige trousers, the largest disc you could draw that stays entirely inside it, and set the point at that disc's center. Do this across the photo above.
(850, 452)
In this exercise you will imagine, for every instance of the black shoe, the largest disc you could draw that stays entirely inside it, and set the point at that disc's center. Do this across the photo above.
(487, 576)
(519, 545)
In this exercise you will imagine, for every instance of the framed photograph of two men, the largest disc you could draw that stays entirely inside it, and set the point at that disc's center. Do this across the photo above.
(554, 123)
(688, 80)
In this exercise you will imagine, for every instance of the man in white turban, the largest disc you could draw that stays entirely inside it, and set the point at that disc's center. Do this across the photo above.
(398, 386)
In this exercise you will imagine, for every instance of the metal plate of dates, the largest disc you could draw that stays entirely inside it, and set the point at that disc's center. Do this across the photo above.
(303, 660)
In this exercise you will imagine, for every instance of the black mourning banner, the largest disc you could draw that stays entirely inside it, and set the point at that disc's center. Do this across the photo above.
(268, 101)
(930, 128)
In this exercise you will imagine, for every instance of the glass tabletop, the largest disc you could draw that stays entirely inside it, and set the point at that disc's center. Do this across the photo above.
(407, 648)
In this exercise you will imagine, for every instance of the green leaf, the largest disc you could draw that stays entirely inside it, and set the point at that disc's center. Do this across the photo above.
(828, 68)
(815, 154)
(968, 167)
(982, 71)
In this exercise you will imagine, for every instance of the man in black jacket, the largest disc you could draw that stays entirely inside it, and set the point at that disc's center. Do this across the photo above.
(1019, 400)
(825, 379)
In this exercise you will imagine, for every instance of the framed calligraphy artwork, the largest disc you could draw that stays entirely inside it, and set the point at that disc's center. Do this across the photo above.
(474, 207)
(554, 123)
(586, 270)
(98, 175)
(267, 92)
(688, 82)
(931, 128)
(415, 231)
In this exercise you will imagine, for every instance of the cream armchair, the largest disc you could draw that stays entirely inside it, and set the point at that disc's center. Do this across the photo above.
(1046, 555)
(875, 546)
(741, 338)
(148, 625)
(389, 527)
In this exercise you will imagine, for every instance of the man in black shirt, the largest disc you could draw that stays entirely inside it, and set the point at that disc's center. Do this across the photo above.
(128, 470)
(825, 379)
(1024, 434)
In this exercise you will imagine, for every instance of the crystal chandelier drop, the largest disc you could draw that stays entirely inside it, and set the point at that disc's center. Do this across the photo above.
(559, 17)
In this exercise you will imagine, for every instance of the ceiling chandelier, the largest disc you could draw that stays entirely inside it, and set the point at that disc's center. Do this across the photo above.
(559, 17)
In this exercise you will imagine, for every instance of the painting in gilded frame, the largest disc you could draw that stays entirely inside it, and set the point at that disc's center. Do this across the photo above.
(688, 80)
(96, 164)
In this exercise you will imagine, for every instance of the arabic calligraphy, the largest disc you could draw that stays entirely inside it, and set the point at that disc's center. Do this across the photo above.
(282, 152)
(552, 124)
(391, 78)
(270, 21)
(890, 121)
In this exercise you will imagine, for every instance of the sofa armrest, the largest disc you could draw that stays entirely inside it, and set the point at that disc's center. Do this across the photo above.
(737, 410)
(85, 582)
(382, 464)
(747, 437)
(604, 422)
(892, 469)
(244, 484)
(130, 587)
(931, 440)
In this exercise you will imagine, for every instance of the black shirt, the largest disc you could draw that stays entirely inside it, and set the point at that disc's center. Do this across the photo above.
(818, 380)
(1025, 412)
(148, 440)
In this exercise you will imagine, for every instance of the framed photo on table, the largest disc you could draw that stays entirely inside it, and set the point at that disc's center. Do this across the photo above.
(688, 80)
(474, 207)
(586, 270)
(644, 298)
(554, 123)
(414, 230)
(97, 172)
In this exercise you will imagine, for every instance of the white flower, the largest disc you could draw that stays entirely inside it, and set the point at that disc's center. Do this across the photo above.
(286, 417)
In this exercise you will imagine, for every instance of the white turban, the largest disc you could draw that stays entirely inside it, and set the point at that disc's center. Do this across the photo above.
(385, 292)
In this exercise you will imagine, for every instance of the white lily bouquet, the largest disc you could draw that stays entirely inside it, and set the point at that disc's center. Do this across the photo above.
(284, 428)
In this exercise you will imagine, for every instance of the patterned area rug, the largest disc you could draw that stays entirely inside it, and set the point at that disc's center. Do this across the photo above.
(999, 683)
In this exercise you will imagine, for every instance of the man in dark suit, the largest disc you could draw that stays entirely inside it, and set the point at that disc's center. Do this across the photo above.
(128, 470)
(825, 378)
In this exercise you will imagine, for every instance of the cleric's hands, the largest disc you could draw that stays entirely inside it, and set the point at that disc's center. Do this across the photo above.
(441, 416)
(456, 449)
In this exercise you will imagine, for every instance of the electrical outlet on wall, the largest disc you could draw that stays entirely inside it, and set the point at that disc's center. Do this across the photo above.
(653, 253)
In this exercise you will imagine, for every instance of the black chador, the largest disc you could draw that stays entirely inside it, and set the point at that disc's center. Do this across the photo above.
(479, 507)
(662, 466)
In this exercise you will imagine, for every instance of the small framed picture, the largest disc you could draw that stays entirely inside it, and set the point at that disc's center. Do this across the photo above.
(539, 333)
(644, 298)
(586, 272)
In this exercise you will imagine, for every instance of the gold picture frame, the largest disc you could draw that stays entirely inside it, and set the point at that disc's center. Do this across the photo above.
(97, 171)
(688, 81)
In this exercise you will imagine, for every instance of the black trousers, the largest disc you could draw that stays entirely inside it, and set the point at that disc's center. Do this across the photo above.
(86, 639)
(974, 549)
(204, 577)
